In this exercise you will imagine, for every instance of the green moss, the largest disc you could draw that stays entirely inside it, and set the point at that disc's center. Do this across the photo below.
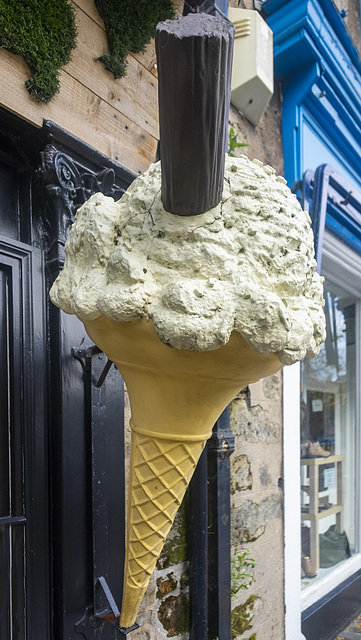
(166, 585)
(184, 579)
(174, 552)
(242, 617)
(174, 615)
(44, 33)
(175, 547)
(129, 27)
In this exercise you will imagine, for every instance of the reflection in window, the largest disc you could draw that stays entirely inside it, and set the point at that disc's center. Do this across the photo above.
(328, 443)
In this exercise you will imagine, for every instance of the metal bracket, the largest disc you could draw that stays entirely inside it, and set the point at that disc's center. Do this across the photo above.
(258, 5)
(222, 443)
(124, 632)
(110, 599)
(84, 355)
(106, 628)
(104, 374)
(216, 8)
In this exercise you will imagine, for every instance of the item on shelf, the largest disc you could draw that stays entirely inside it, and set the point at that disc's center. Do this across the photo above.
(334, 547)
(306, 488)
(313, 450)
(305, 507)
(307, 567)
(304, 449)
(305, 540)
(325, 506)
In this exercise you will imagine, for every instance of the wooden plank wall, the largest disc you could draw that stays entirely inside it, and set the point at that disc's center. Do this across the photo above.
(117, 117)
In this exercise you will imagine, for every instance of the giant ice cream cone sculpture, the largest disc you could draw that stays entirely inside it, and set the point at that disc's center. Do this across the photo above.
(191, 308)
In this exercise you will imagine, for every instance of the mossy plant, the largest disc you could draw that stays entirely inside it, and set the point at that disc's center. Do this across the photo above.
(166, 585)
(242, 616)
(129, 27)
(44, 33)
(173, 613)
(242, 566)
(175, 548)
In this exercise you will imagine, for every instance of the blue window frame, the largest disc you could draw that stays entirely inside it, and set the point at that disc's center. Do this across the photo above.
(320, 72)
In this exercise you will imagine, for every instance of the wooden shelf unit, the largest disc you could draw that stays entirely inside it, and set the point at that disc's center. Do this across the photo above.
(314, 515)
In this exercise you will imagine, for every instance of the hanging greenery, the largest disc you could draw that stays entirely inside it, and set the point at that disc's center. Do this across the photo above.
(44, 33)
(130, 24)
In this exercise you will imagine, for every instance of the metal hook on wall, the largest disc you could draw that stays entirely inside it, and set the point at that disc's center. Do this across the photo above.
(84, 355)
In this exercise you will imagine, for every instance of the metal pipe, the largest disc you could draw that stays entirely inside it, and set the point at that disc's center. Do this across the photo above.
(198, 560)
(220, 447)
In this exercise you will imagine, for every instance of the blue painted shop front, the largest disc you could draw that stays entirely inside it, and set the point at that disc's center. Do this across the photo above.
(320, 73)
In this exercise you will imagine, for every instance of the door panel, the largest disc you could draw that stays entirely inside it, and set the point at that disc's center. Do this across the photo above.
(4, 404)
(8, 201)
(23, 484)
(12, 516)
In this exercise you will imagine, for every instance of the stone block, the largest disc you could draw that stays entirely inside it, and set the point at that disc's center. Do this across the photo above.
(250, 519)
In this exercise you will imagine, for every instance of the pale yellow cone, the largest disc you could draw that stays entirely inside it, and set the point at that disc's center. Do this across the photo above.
(175, 397)
(160, 473)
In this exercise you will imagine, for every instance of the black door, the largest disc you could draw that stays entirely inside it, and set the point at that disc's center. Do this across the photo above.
(24, 583)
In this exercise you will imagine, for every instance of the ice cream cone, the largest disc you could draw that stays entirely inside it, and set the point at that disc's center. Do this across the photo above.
(161, 469)
(175, 396)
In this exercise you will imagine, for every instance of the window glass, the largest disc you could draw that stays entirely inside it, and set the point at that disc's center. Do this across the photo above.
(317, 152)
(328, 443)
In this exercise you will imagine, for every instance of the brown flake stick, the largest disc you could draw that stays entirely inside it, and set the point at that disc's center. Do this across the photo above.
(194, 57)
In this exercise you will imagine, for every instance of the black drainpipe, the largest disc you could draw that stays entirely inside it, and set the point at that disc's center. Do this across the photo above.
(210, 538)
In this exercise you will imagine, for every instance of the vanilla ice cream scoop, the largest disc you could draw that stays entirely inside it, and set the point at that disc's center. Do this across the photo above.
(246, 266)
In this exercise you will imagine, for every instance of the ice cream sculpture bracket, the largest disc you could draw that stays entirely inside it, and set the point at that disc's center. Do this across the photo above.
(191, 303)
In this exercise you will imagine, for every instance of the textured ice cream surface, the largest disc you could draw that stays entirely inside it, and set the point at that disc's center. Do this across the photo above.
(247, 265)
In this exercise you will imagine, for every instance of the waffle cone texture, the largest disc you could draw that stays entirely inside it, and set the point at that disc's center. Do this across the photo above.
(161, 470)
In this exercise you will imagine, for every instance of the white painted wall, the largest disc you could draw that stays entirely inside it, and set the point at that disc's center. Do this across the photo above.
(292, 491)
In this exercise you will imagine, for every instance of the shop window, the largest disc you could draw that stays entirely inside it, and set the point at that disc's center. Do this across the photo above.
(328, 438)
(329, 400)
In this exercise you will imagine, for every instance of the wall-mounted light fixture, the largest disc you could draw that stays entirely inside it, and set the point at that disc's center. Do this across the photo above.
(252, 74)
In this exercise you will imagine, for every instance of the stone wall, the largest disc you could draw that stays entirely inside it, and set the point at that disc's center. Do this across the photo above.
(256, 421)
(256, 508)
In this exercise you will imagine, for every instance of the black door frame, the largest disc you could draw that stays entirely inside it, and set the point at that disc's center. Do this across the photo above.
(27, 522)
